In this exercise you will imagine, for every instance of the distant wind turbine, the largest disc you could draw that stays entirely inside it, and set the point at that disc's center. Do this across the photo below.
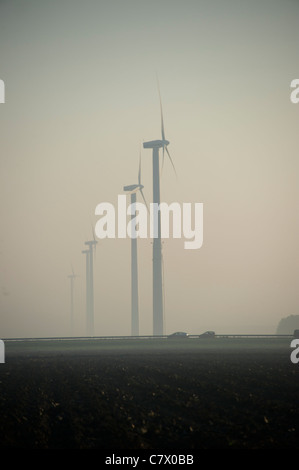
(133, 189)
(158, 323)
(89, 286)
(87, 291)
(72, 278)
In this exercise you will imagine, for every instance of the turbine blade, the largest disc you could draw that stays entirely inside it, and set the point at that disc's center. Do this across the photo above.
(162, 124)
(171, 160)
(162, 166)
(95, 245)
(139, 171)
(144, 200)
(93, 234)
(161, 111)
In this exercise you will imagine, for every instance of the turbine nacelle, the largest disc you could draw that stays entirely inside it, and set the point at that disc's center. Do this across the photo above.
(155, 144)
(133, 188)
(73, 275)
(93, 242)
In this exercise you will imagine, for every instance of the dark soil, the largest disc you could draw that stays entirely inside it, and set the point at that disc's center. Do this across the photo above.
(207, 398)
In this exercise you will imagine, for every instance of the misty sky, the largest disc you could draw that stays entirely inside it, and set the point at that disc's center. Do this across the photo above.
(81, 98)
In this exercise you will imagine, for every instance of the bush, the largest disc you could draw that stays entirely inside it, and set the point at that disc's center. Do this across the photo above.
(287, 325)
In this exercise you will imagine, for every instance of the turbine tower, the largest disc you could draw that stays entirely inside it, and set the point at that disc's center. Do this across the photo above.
(72, 278)
(87, 253)
(155, 145)
(133, 189)
(89, 286)
(90, 319)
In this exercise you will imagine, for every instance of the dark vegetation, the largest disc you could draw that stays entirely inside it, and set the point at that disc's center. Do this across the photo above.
(288, 324)
(240, 394)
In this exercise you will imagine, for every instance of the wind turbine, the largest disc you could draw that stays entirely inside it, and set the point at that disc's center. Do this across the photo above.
(133, 189)
(72, 278)
(86, 253)
(158, 323)
(89, 286)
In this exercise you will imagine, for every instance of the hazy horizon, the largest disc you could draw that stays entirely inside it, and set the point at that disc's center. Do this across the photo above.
(81, 98)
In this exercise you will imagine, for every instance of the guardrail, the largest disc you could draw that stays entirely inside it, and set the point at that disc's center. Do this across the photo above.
(151, 337)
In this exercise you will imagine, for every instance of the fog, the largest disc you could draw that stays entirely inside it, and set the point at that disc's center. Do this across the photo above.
(81, 98)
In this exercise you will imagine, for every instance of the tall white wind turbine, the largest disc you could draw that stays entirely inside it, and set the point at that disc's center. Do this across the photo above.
(158, 320)
(133, 189)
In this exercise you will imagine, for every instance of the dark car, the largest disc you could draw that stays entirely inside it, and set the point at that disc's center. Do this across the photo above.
(208, 334)
(178, 335)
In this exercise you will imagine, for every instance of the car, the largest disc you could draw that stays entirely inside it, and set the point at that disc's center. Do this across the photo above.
(178, 335)
(207, 334)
